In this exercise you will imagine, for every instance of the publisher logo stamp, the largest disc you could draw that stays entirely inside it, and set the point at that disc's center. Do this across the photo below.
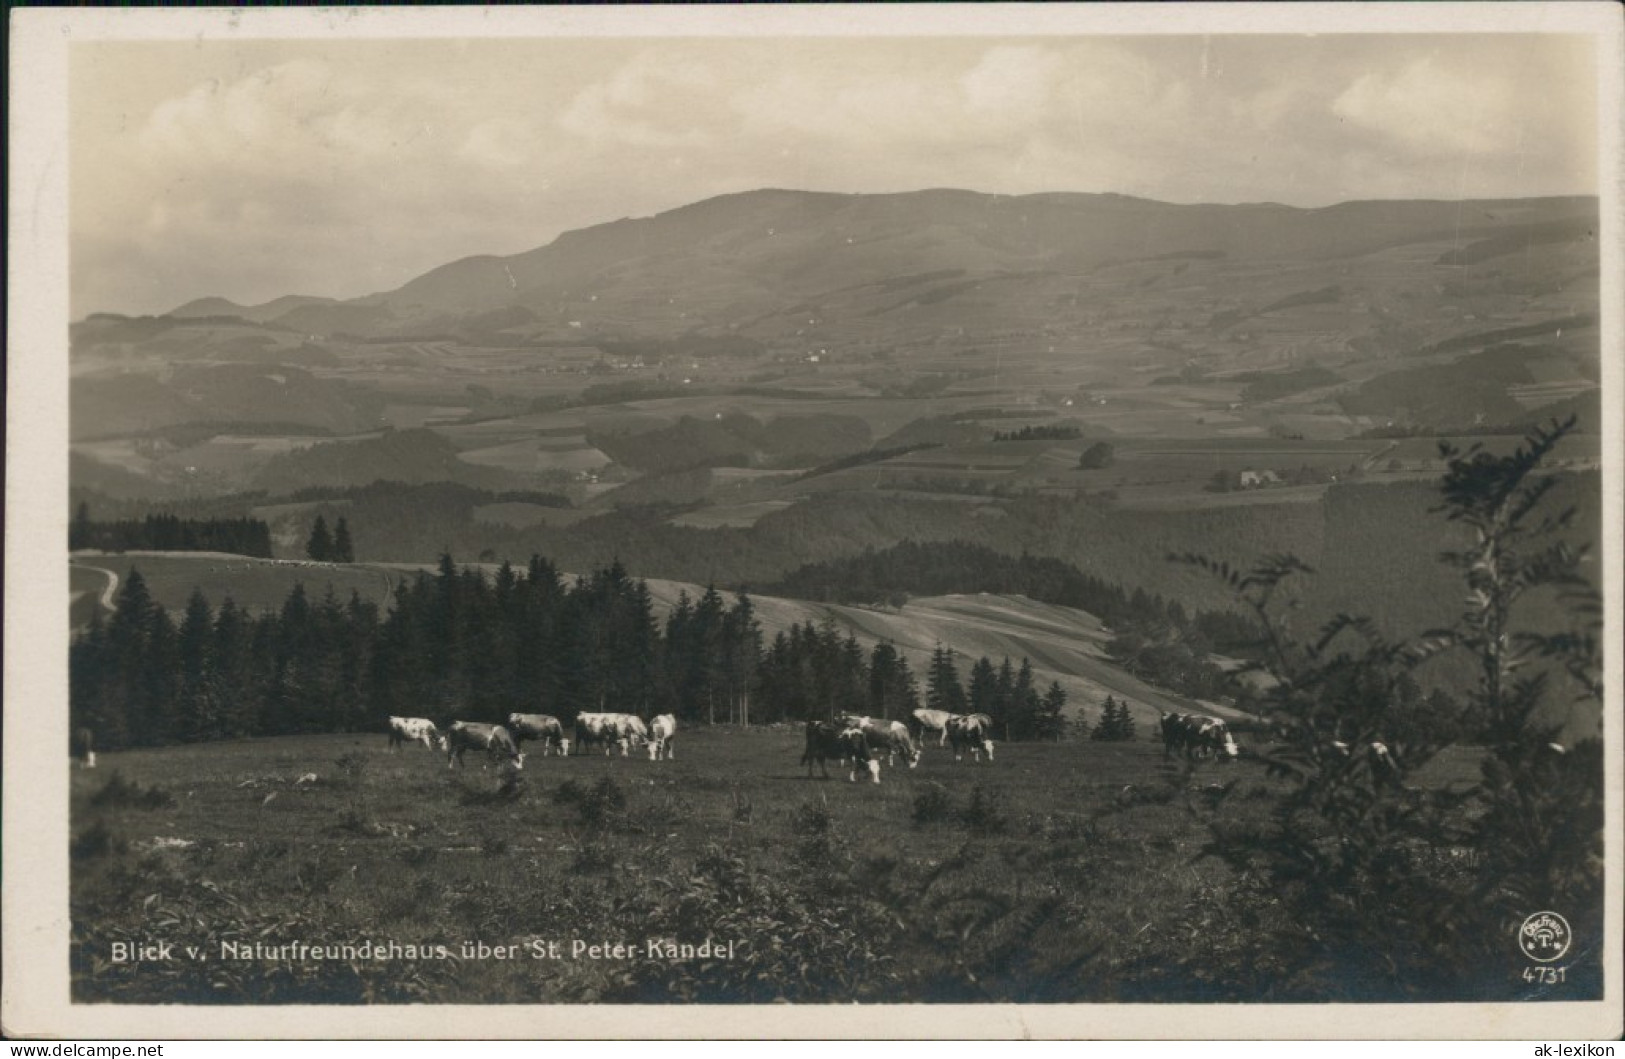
(1544, 937)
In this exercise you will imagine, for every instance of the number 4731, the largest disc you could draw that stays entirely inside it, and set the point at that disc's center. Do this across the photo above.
(1544, 975)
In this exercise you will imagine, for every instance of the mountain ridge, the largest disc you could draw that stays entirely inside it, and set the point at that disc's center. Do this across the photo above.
(767, 242)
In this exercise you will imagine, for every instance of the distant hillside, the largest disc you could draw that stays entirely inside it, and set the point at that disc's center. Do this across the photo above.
(409, 456)
(1469, 390)
(753, 263)
(120, 404)
(259, 314)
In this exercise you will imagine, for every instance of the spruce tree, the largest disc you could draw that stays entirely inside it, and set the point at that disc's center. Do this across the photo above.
(1049, 721)
(984, 693)
(942, 688)
(343, 549)
(742, 647)
(197, 717)
(1108, 718)
(320, 546)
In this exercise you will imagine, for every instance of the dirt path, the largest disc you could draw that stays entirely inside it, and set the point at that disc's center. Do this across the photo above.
(112, 584)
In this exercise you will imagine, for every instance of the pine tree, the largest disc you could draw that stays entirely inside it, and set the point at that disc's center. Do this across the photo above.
(320, 546)
(1049, 720)
(707, 666)
(891, 686)
(1116, 723)
(1102, 730)
(942, 687)
(1024, 702)
(197, 714)
(343, 549)
(230, 676)
(742, 635)
(983, 693)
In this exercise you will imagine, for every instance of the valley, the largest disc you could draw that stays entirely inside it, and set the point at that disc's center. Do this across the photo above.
(724, 392)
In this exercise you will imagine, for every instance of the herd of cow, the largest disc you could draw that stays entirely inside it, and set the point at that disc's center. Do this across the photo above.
(859, 743)
(505, 743)
(862, 743)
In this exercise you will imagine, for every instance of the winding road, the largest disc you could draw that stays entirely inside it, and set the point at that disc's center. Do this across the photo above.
(112, 584)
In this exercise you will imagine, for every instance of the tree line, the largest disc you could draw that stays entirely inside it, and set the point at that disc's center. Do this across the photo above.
(1038, 433)
(459, 644)
(161, 533)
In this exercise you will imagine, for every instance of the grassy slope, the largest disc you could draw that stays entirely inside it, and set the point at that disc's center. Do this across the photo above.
(376, 838)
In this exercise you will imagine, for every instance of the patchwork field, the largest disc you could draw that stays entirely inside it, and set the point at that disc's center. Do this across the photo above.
(1019, 879)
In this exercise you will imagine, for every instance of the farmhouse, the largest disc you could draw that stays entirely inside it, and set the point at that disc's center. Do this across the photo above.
(1251, 479)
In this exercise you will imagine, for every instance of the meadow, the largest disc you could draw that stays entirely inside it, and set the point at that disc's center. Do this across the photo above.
(1067, 871)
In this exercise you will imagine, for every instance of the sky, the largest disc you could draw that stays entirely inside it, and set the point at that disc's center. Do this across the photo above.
(254, 169)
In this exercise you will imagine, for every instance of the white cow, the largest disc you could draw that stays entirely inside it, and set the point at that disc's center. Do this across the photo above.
(624, 730)
(934, 721)
(412, 730)
(973, 732)
(473, 735)
(661, 732)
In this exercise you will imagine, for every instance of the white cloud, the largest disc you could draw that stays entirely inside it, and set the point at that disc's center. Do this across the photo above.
(1429, 107)
(647, 103)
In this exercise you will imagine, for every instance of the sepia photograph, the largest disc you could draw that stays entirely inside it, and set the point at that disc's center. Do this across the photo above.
(1074, 521)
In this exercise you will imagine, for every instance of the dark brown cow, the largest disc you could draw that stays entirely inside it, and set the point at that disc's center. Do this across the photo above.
(973, 732)
(827, 740)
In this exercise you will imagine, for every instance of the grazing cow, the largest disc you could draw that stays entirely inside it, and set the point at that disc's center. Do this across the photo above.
(661, 732)
(1210, 735)
(539, 728)
(592, 729)
(827, 740)
(472, 735)
(934, 721)
(1197, 736)
(84, 747)
(634, 732)
(624, 730)
(886, 738)
(412, 730)
(973, 732)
